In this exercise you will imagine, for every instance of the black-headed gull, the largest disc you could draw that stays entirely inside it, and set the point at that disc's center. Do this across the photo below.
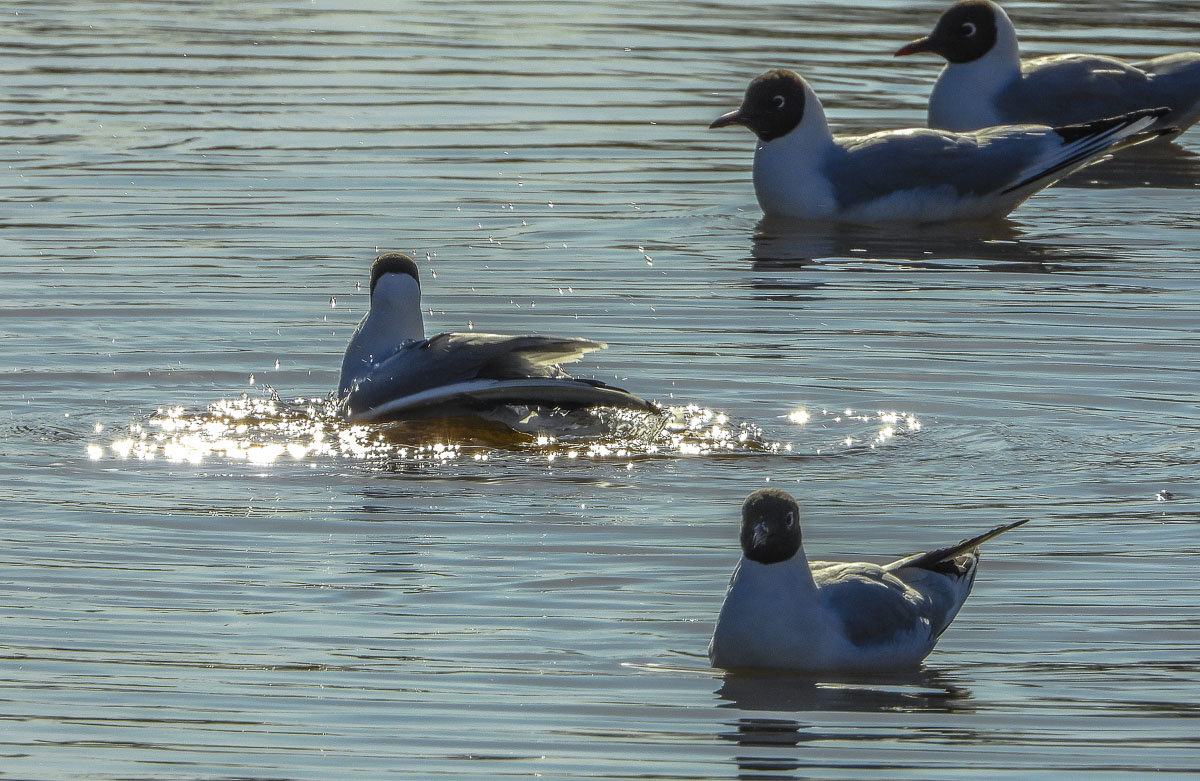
(985, 82)
(784, 612)
(802, 171)
(392, 371)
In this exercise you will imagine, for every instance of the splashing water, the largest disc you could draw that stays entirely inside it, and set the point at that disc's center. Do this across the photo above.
(267, 430)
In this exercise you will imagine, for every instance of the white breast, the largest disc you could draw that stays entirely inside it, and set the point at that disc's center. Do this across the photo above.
(770, 619)
(788, 180)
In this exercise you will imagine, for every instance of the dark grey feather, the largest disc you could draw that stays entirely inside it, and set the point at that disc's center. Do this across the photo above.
(933, 559)
(477, 396)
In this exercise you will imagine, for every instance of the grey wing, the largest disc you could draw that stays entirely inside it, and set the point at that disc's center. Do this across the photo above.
(452, 358)
(865, 168)
(876, 607)
(1073, 88)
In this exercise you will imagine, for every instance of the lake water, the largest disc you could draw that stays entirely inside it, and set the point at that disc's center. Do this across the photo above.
(205, 576)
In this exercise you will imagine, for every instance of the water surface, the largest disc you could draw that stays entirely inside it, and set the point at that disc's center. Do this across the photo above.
(204, 576)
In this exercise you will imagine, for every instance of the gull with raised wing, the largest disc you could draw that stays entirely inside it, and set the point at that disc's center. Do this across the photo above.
(392, 371)
(803, 171)
(784, 612)
(985, 82)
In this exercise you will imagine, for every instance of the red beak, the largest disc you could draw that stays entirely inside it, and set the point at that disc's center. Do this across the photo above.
(920, 45)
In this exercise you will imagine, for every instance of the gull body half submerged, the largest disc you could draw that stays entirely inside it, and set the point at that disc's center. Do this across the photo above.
(392, 371)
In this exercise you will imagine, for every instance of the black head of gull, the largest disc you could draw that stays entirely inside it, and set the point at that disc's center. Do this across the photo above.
(964, 33)
(393, 263)
(770, 526)
(773, 106)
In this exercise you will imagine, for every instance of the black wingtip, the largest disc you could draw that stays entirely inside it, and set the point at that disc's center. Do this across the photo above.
(393, 262)
(1080, 130)
(1170, 130)
(1091, 141)
(975, 542)
(933, 558)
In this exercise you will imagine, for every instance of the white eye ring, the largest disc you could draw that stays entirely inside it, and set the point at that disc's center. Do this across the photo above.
(779, 101)
(791, 519)
(968, 29)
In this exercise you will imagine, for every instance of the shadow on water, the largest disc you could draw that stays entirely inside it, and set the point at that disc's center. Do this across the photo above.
(767, 743)
(786, 245)
(922, 690)
(1160, 166)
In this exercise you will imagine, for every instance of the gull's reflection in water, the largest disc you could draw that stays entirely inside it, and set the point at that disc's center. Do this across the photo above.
(1160, 166)
(767, 742)
(787, 245)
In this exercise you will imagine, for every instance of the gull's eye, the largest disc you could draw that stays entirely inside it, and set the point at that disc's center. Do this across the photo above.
(779, 101)
(967, 29)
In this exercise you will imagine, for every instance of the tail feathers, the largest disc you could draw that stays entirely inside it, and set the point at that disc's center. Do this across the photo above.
(933, 558)
(533, 356)
(545, 350)
(1182, 65)
(500, 356)
(1087, 142)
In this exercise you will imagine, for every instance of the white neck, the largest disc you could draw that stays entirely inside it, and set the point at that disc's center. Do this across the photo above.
(396, 308)
(787, 176)
(964, 95)
(394, 318)
(773, 586)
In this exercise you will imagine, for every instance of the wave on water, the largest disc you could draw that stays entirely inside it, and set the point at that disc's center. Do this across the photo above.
(266, 429)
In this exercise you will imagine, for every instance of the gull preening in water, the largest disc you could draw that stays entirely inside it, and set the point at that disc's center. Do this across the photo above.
(392, 371)
(803, 171)
(985, 82)
(785, 612)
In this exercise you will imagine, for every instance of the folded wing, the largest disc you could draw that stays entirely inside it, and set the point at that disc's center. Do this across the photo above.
(876, 608)
(1006, 162)
(1072, 88)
